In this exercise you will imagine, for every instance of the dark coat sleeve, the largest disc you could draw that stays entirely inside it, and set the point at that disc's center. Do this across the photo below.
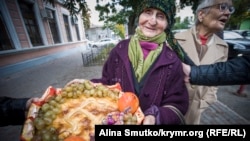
(235, 71)
(12, 111)
(187, 60)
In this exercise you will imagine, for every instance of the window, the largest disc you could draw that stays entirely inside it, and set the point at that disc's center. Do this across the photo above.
(77, 32)
(30, 22)
(75, 23)
(53, 26)
(66, 24)
(5, 43)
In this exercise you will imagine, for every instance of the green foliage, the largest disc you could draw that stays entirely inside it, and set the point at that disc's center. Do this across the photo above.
(127, 13)
(98, 58)
(182, 25)
(242, 12)
(192, 3)
(118, 29)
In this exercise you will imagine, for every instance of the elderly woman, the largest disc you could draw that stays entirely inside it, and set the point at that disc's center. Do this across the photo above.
(203, 46)
(147, 66)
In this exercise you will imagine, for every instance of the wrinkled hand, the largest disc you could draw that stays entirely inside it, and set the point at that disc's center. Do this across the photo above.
(186, 69)
(149, 120)
(28, 103)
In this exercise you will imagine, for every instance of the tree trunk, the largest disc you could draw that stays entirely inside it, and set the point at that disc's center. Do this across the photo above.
(131, 25)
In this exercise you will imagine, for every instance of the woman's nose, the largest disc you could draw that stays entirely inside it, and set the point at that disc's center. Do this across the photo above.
(152, 20)
(227, 12)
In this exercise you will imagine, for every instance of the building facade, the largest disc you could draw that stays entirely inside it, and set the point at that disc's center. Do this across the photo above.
(33, 28)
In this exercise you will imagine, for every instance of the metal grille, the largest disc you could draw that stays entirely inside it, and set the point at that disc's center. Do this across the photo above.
(97, 56)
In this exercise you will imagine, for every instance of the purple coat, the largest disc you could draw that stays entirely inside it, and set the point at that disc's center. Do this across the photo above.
(164, 84)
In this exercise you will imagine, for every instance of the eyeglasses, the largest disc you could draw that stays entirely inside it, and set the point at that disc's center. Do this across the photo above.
(223, 7)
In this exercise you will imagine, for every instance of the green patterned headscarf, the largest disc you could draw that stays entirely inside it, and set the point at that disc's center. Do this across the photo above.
(167, 7)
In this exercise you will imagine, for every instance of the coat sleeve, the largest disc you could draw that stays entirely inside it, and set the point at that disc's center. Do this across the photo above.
(12, 111)
(232, 72)
(175, 95)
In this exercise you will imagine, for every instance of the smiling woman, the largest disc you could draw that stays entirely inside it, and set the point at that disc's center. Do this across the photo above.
(145, 58)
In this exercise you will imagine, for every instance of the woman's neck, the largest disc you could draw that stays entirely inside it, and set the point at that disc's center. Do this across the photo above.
(204, 32)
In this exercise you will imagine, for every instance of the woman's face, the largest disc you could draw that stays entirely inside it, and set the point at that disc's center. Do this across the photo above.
(152, 22)
(216, 18)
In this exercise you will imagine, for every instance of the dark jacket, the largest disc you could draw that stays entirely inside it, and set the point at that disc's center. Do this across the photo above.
(12, 111)
(164, 84)
(233, 72)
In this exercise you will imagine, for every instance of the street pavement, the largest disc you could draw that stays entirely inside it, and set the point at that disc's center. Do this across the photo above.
(31, 78)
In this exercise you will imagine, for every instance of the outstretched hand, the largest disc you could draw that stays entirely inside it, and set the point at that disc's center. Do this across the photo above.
(28, 103)
(186, 69)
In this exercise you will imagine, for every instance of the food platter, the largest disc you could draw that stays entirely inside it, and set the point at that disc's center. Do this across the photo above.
(75, 109)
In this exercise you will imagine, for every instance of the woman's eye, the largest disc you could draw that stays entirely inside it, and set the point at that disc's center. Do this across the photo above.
(148, 12)
(162, 17)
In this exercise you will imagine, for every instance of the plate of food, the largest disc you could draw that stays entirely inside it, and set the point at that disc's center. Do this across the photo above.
(71, 112)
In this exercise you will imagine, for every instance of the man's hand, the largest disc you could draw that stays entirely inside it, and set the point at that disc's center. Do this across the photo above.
(186, 70)
(28, 103)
